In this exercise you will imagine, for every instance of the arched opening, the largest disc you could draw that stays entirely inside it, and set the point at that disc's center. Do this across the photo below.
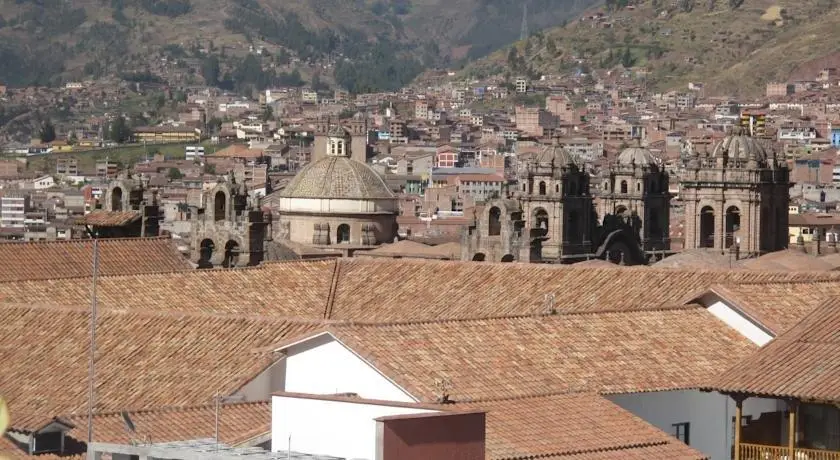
(523, 187)
(733, 223)
(495, 222)
(479, 257)
(231, 254)
(620, 210)
(205, 253)
(556, 188)
(707, 227)
(638, 186)
(624, 186)
(507, 258)
(220, 206)
(541, 221)
(116, 199)
(542, 188)
(342, 234)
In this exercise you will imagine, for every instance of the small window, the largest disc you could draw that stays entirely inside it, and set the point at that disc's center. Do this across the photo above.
(638, 186)
(624, 186)
(681, 432)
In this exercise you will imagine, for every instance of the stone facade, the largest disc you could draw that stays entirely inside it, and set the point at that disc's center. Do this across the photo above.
(228, 230)
(635, 188)
(737, 197)
(128, 193)
(551, 217)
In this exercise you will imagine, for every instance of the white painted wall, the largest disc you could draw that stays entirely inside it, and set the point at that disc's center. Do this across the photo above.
(736, 320)
(336, 428)
(324, 365)
(709, 415)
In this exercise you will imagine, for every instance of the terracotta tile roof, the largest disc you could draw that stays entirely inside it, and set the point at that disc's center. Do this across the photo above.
(144, 359)
(238, 422)
(408, 248)
(72, 258)
(788, 260)
(590, 427)
(375, 289)
(109, 218)
(802, 363)
(536, 355)
(285, 290)
(778, 306)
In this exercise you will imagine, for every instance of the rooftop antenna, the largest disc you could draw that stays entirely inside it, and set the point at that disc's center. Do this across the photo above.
(548, 303)
(523, 33)
(92, 352)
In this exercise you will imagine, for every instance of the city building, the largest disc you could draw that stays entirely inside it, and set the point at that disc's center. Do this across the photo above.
(13, 207)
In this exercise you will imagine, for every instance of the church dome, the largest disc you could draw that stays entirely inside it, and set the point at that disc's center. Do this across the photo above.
(738, 148)
(337, 177)
(555, 155)
(637, 156)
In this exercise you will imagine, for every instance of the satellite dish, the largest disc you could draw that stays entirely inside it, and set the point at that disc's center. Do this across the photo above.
(4, 416)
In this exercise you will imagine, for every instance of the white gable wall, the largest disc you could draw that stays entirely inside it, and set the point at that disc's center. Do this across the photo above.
(336, 428)
(741, 323)
(709, 415)
(323, 365)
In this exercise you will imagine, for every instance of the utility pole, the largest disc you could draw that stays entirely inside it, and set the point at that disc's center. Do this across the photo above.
(92, 353)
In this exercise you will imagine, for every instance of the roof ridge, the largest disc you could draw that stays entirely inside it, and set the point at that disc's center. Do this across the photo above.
(558, 314)
(565, 453)
(136, 275)
(85, 240)
(336, 275)
(803, 280)
(174, 408)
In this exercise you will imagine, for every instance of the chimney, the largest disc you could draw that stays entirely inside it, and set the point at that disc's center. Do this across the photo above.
(800, 243)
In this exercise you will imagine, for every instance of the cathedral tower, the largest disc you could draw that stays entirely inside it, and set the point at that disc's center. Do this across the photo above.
(737, 197)
(635, 189)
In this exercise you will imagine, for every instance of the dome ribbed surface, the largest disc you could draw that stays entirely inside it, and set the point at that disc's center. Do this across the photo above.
(337, 177)
(638, 156)
(556, 155)
(738, 148)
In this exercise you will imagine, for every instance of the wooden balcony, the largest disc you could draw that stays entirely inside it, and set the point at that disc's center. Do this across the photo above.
(761, 452)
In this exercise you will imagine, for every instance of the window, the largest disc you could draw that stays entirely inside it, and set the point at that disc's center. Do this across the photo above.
(681, 431)
(624, 186)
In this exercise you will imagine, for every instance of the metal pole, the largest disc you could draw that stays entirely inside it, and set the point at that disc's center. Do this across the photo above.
(218, 398)
(92, 352)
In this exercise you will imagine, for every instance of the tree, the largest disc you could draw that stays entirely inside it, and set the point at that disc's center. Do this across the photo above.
(210, 70)
(627, 58)
(47, 133)
(73, 139)
(119, 132)
(174, 174)
(268, 113)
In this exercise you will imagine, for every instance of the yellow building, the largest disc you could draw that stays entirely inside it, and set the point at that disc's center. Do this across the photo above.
(754, 122)
(165, 134)
(808, 225)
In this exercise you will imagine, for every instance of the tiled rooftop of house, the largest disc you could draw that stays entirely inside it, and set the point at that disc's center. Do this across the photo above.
(74, 258)
(144, 359)
(802, 363)
(537, 355)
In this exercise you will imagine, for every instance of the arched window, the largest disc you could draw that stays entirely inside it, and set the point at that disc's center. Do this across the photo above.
(507, 258)
(624, 186)
(342, 234)
(231, 254)
(733, 223)
(556, 188)
(205, 253)
(542, 188)
(478, 257)
(707, 227)
(523, 186)
(220, 206)
(606, 186)
(541, 220)
(638, 186)
(494, 227)
(116, 199)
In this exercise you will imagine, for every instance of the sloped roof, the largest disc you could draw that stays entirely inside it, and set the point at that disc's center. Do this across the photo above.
(143, 359)
(374, 289)
(789, 260)
(377, 289)
(802, 363)
(590, 427)
(73, 258)
(539, 355)
(287, 290)
(778, 305)
(109, 218)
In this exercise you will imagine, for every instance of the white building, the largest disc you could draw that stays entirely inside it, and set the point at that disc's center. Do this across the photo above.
(12, 209)
(194, 152)
(43, 183)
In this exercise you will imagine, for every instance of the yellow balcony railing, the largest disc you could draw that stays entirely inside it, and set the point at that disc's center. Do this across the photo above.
(761, 452)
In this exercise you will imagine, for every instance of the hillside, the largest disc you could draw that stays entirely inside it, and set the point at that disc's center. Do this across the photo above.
(733, 46)
(51, 41)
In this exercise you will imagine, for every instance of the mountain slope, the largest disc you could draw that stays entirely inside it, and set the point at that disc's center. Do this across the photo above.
(734, 46)
(49, 41)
